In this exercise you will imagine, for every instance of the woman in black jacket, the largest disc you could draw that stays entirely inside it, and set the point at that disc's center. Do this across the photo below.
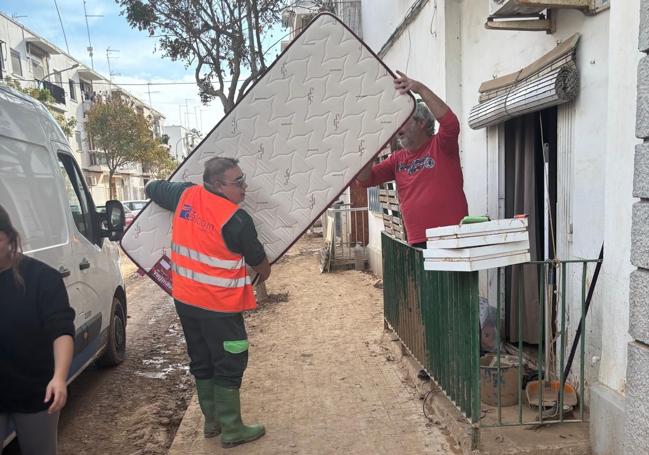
(36, 345)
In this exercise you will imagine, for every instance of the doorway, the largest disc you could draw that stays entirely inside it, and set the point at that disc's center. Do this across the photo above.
(530, 189)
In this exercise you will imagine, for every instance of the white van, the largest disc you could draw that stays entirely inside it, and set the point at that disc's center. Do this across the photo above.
(43, 189)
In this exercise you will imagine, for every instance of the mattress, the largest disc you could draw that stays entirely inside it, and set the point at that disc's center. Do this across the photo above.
(322, 111)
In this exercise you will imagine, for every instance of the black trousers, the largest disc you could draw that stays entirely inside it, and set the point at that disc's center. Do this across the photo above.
(209, 338)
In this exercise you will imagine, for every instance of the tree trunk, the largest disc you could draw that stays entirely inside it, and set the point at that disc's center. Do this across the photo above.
(111, 184)
(251, 40)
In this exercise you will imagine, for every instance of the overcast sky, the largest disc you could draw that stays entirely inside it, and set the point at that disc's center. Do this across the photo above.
(136, 62)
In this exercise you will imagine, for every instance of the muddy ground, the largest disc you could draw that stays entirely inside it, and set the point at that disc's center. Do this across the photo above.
(136, 408)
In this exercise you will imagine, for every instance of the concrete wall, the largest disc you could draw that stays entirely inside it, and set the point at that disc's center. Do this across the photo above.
(621, 143)
(637, 406)
(488, 54)
(375, 227)
(180, 142)
(380, 19)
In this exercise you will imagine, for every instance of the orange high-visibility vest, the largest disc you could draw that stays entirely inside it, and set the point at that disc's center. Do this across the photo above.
(205, 273)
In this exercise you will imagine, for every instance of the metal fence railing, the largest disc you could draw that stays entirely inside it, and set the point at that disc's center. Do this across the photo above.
(546, 392)
(57, 92)
(436, 316)
(346, 235)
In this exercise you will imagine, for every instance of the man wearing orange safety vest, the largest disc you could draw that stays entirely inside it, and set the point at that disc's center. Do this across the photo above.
(212, 241)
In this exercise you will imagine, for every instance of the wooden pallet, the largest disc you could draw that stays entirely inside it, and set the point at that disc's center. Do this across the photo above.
(389, 200)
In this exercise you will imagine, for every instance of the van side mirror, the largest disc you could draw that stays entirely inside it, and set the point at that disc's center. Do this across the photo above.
(113, 221)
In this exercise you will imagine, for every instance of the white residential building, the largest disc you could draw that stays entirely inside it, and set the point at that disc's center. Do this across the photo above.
(181, 141)
(33, 61)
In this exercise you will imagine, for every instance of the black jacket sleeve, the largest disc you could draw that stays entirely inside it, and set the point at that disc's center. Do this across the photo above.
(166, 194)
(57, 316)
(240, 236)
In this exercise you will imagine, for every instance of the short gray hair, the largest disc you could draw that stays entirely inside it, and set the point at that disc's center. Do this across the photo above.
(423, 114)
(216, 167)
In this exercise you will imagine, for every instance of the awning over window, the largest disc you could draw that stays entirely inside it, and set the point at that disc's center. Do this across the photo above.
(43, 45)
(551, 80)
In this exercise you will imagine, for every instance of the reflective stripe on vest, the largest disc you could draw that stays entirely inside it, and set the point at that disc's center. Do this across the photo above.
(206, 259)
(212, 280)
(205, 272)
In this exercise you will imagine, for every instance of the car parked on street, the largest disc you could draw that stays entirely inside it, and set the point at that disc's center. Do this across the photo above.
(43, 189)
(135, 206)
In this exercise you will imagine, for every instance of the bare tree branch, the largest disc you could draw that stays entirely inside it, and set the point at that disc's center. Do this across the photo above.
(208, 35)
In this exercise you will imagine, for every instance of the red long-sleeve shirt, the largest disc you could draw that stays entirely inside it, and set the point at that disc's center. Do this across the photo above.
(429, 181)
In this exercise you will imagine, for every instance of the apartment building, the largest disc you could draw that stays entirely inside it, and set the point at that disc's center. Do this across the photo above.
(33, 61)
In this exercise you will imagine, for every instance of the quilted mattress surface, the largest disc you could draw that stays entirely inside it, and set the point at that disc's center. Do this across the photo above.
(324, 108)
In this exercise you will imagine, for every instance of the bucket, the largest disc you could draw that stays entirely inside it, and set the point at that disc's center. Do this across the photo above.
(508, 380)
(550, 394)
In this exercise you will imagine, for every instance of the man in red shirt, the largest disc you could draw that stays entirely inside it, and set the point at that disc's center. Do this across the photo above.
(427, 168)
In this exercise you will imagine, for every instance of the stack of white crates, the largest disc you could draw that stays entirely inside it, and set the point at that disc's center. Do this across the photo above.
(477, 246)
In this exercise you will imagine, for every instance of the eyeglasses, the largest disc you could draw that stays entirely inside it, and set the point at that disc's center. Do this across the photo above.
(239, 181)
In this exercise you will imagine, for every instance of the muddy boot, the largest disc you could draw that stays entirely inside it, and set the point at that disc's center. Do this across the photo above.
(228, 408)
(205, 390)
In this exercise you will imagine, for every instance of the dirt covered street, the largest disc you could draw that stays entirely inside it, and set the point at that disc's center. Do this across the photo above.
(320, 333)
(322, 375)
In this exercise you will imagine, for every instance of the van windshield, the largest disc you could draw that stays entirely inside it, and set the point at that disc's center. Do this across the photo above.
(28, 181)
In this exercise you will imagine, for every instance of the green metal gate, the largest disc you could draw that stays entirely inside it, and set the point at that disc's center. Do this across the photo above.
(436, 316)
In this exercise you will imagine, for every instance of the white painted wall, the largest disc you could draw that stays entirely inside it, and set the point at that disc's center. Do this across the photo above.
(375, 227)
(179, 147)
(415, 53)
(489, 54)
(614, 285)
(449, 49)
(380, 18)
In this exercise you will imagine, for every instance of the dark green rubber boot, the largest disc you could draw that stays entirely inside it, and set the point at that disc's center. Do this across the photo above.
(205, 390)
(228, 408)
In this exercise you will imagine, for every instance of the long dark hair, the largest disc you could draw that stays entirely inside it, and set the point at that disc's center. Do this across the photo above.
(15, 246)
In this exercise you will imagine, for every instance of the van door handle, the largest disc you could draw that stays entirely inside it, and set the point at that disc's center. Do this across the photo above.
(84, 264)
(64, 271)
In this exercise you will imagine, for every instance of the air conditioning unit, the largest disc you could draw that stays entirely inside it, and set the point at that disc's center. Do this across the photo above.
(513, 8)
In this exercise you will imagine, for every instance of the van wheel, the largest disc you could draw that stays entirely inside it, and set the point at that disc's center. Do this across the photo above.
(116, 347)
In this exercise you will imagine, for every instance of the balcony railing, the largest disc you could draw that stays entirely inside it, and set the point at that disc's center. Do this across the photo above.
(57, 92)
(98, 159)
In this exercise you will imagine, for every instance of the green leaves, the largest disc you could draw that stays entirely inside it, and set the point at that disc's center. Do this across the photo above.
(124, 135)
(45, 96)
